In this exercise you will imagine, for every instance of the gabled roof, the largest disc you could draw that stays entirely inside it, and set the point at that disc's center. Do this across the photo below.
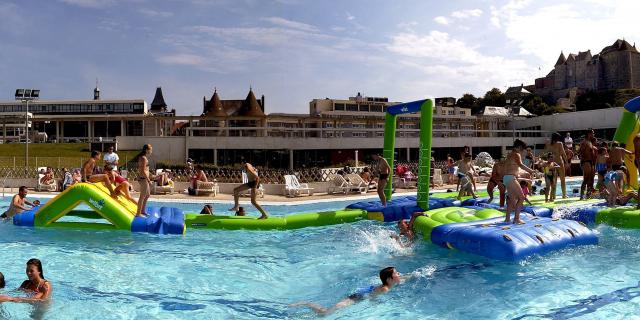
(561, 59)
(571, 57)
(158, 103)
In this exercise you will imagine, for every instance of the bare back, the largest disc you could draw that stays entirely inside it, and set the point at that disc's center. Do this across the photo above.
(383, 166)
(617, 155)
(559, 154)
(87, 168)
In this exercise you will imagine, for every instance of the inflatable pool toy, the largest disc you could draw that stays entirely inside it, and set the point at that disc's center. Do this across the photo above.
(628, 128)
(493, 238)
(119, 212)
(294, 221)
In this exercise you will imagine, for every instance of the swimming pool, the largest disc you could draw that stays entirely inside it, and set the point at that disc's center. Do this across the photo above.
(209, 274)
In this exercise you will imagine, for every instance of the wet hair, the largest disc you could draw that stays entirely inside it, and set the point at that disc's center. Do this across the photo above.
(386, 273)
(38, 264)
(601, 150)
(556, 137)
(108, 167)
(467, 155)
(1, 280)
(142, 152)
(519, 144)
(95, 153)
(22, 188)
(523, 183)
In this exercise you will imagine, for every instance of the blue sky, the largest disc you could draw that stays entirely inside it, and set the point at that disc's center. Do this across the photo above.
(293, 50)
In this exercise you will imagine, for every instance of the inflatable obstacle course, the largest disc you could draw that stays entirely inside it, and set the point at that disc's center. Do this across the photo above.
(294, 221)
(119, 212)
(493, 238)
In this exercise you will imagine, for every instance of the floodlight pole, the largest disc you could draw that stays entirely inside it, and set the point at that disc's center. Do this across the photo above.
(26, 134)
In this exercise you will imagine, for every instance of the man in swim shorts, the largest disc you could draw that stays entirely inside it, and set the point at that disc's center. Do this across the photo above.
(389, 277)
(587, 161)
(510, 178)
(384, 169)
(18, 204)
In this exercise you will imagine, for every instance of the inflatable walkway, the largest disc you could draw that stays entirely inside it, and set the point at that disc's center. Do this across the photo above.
(628, 128)
(118, 212)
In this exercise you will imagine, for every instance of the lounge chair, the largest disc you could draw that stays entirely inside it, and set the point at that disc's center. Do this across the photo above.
(45, 187)
(437, 177)
(339, 184)
(356, 181)
(158, 189)
(206, 188)
(259, 190)
(293, 187)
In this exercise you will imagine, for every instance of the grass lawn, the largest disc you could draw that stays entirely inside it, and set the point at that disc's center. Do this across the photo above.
(51, 154)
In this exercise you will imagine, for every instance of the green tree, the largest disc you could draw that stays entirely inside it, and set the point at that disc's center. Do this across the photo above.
(494, 97)
(469, 101)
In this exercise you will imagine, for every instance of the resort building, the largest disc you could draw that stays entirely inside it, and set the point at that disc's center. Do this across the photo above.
(334, 132)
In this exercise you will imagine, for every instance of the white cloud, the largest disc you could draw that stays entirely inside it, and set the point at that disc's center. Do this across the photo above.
(464, 14)
(457, 66)
(291, 24)
(441, 20)
(458, 15)
(350, 16)
(543, 29)
(89, 3)
(155, 13)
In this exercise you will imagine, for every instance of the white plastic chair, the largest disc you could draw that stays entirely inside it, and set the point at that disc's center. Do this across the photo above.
(44, 187)
(157, 189)
(205, 188)
(293, 187)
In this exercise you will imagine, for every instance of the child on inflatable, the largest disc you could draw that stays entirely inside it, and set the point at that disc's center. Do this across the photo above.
(614, 183)
(549, 168)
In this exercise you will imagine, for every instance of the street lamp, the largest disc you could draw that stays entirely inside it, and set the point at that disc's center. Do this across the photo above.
(26, 95)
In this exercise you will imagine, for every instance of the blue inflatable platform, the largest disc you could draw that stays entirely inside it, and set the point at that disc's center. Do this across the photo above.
(401, 207)
(494, 239)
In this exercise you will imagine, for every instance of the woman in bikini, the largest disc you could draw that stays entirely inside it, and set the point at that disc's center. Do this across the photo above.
(144, 179)
(37, 286)
(515, 197)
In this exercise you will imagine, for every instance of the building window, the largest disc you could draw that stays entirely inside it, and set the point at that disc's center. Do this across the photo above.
(375, 108)
(352, 107)
(364, 108)
(339, 107)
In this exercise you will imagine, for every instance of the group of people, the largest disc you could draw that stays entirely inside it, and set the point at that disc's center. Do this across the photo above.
(36, 286)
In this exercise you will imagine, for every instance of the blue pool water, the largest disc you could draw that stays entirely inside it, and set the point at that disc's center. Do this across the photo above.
(210, 274)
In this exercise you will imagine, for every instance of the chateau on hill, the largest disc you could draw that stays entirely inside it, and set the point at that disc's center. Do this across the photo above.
(616, 67)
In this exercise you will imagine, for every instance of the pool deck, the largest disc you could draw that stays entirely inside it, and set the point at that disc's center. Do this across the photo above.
(268, 199)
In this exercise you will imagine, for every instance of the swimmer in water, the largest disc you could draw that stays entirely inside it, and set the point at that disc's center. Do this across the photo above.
(405, 230)
(389, 277)
(39, 288)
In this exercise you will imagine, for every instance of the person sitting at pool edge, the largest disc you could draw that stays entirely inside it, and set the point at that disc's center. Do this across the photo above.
(18, 204)
(36, 285)
(207, 209)
(389, 277)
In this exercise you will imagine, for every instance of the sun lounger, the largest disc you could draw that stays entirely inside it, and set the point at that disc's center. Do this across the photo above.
(206, 188)
(45, 187)
(158, 189)
(293, 187)
(339, 184)
(356, 181)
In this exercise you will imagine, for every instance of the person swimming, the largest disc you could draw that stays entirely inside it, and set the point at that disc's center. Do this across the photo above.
(405, 230)
(36, 285)
(389, 277)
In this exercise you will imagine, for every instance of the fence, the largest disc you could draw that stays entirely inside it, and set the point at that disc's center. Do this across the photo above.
(181, 174)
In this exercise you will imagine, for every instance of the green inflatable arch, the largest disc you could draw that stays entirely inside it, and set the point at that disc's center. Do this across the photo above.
(425, 107)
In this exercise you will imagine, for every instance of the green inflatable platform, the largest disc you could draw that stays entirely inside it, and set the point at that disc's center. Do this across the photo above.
(433, 218)
(294, 221)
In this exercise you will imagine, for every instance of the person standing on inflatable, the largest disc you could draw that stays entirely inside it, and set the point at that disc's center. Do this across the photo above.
(560, 157)
(384, 169)
(515, 196)
(144, 179)
(253, 183)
